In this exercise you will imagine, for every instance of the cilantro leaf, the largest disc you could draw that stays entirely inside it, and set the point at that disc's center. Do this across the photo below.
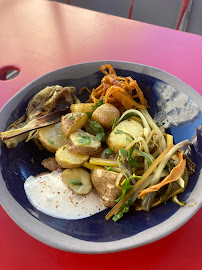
(85, 139)
(96, 127)
(89, 114)
(75, 182)
(71, 117)
(100, 136)
(99, 103)
(123, 152)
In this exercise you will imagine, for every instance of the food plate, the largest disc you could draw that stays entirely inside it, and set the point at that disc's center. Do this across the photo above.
(172, 102)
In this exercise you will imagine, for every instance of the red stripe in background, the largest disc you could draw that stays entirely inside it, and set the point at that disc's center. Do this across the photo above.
(131, 9)
(183, 9)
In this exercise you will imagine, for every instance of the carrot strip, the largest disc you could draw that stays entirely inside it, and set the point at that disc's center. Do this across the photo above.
(139, 183)
(118, 90)
(174, 175)
(82, 89)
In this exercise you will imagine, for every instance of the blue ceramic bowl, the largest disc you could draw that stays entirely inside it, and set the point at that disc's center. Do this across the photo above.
(172, 102)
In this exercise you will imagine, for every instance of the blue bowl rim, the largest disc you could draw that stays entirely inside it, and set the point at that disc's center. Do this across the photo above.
(56, 239)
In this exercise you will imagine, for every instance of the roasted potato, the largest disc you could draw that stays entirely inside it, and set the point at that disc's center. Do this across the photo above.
(78, 180)
(84, 143)
(67, 159)
(52, 137)
(105, 184)
(82, 107)
(72, 122)
(124, 133)
(105, 115)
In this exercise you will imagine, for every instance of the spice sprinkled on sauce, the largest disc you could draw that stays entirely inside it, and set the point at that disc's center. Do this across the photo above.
(57, 200)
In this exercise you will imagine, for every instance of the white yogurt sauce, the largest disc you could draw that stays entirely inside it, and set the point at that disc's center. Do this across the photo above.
(51, 196)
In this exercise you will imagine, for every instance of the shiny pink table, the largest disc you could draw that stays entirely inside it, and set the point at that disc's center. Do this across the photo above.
(41, 36)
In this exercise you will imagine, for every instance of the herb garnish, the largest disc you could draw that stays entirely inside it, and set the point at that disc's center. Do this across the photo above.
(95, 127)
(100, 136)
(128, 155)
(118, 131)
(126, 186)
(75, 182)
(71, 117)
(124, 209)
(113, 124)
(51, 142)
(99, 103)
(89, 114)
(85, 139)
(108, 152)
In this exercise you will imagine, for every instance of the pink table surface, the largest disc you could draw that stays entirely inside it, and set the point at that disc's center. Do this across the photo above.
(41, 36)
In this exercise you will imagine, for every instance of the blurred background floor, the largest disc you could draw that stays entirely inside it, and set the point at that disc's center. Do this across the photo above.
(164, 13)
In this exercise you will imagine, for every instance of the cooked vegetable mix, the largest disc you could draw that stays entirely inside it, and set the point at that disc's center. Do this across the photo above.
(110, 143)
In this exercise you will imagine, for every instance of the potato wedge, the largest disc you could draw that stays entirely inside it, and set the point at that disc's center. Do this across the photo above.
(84, 143)
(105, 184)
(105, 115)
(72, 122)
(52, 137)
(82, 107)
(78, 180)
(124, 133)
(67, 159)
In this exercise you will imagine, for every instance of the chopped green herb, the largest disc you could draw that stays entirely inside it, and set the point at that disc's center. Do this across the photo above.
(113, 124)
(100, 136)
(96, 127)
(109, 151)
(127, 139)
(123, 132)
(126, 186)
(51, 142)
(123, 152)
(71, 117)
(109, 168)
(133, 163)
(79, 114)
(75, 182)
(67, 128)
(89, 114)
(131, 160)
(64, 147)
(119, 132)
(99, 103)
(32, 160)
(124, 209)
(144, 155)
(85, 139)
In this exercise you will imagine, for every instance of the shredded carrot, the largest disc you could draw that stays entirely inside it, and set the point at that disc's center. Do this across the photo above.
(174, 175)
(84, 88)
(118, 90)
